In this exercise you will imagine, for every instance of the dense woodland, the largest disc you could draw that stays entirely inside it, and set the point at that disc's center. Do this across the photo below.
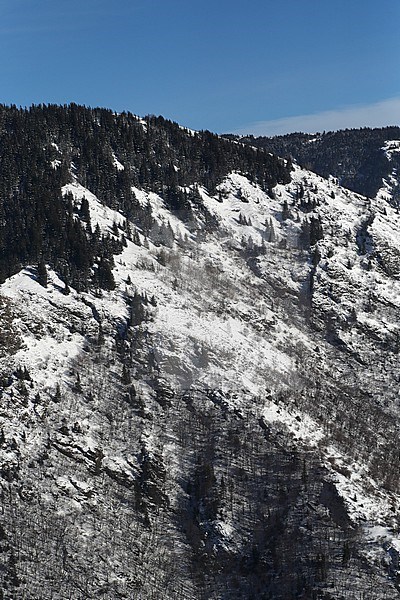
(37, 223)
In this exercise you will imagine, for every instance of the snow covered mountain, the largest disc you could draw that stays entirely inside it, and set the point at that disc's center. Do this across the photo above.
(209, 409)
(358, 158)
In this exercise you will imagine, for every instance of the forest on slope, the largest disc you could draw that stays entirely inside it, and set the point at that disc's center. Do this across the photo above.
(43, 146)
(355, 157)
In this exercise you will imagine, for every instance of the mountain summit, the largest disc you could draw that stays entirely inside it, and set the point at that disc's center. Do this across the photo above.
(199, 367)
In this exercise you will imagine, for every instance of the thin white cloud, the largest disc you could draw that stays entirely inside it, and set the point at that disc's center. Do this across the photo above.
(380, 114)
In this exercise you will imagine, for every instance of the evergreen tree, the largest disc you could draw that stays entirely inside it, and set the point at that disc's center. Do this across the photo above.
(42, 276)
(105, 277)
(84, 210)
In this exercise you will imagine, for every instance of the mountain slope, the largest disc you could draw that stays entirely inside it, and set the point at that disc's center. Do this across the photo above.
(358, 158)
(219, 418)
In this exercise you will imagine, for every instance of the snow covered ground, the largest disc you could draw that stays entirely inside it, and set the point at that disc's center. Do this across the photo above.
(230, 319)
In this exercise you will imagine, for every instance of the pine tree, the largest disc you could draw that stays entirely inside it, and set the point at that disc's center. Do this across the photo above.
(84, 212)
(42, 276)
(105, 277)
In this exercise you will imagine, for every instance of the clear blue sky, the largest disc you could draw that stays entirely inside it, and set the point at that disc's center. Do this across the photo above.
(224, 65)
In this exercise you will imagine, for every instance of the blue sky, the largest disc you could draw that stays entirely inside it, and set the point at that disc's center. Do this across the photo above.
(259, 66)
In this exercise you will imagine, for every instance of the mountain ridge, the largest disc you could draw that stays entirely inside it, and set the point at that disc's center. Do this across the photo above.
(356, 157)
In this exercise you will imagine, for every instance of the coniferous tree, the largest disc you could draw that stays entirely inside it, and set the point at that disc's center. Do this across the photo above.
(42, 276)
(105, 277)
(84, 210)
